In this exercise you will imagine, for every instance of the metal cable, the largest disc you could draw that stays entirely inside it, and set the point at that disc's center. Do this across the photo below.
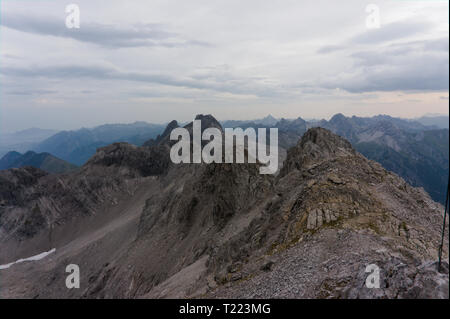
(443, 226)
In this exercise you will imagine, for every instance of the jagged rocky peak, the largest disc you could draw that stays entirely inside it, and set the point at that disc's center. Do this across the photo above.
(207, 121)
(114, 150)
(338, 118)
(173, 124)
(132, 160)
(324, 139)
(297, 125)
(268, 120)
(20, 177)
(164, 137)
(316, 145)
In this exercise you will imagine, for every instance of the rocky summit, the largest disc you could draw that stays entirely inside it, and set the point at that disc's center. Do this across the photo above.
(139, 226)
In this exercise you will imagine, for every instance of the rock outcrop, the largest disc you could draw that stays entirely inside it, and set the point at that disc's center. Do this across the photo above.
(155, 229)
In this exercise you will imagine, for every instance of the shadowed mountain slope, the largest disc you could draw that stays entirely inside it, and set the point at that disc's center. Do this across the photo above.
(44, 161)
(78, 146)
(141, 226)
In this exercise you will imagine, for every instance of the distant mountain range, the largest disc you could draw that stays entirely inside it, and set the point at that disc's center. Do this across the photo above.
(78, 146)
(417, 150)
(269, 120)
(44, 161)
(440, 121)
(418, 153)
(24, 140)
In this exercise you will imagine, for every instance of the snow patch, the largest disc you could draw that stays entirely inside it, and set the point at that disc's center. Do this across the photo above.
(32, 258)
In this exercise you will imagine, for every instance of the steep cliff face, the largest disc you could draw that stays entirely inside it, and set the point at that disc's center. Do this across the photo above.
(335, 213)
(417, 153)
(141, 226)
(36, 207)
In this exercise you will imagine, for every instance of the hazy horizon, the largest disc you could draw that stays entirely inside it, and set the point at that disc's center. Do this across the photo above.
(155, 61)
(219, 119)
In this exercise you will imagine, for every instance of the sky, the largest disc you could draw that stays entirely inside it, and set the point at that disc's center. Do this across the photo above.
(158, 60)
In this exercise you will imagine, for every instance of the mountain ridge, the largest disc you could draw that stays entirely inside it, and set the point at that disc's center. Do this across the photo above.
(44, 161)
(417, 152)
(224, 229)
(78, 146)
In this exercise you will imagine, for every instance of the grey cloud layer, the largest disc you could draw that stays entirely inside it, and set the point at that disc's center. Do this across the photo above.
(386, 33)
(390, 32)
(415, 66)
(229, 85)
(112, 36)
(31, 92)
(231, 58)
(384, 61)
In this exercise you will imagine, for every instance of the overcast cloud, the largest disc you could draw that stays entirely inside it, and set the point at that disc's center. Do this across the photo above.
(163, 59)
(107, 35)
